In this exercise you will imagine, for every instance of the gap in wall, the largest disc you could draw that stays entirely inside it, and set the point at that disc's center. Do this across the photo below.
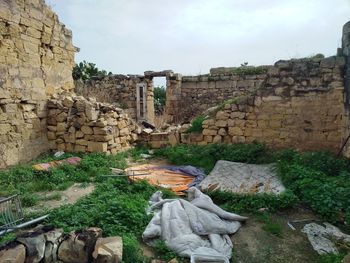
(159, 88)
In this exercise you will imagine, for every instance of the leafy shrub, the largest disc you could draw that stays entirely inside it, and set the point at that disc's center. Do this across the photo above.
(251, 203)
(196, 125)
(206, 156)
(249, 70)
(85, 70)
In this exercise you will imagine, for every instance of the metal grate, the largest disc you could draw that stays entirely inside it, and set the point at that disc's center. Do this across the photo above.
(11, 212)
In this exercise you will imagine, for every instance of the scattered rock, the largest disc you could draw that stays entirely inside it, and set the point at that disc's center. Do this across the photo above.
(15, 253)
(79, 245)
(108, 250)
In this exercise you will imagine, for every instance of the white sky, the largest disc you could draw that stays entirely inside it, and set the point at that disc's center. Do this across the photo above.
(192, 36)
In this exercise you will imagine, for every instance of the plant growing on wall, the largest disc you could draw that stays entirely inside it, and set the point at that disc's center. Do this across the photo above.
(85, 70)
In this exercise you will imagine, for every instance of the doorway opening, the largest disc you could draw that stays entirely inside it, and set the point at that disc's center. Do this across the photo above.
(159, 94)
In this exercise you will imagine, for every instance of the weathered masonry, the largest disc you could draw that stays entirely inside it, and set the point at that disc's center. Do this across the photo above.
(300, 103)
(36, 61)
(38, 108)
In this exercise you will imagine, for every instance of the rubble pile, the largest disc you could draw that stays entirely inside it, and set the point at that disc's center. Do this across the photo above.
(76, 124)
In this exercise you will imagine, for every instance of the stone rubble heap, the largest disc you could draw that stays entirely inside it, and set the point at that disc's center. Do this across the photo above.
(76, 124)
(48, 245)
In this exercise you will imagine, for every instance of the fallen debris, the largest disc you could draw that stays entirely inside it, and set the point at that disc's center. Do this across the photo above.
(322, 237)
(194, 227)
(243, 178)
(47, 166)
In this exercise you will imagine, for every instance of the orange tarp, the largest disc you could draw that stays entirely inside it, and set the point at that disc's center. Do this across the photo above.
(177, 182)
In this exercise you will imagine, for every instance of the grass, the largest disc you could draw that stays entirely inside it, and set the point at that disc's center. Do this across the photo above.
(317, 179)
(320, 180)
(271, 226)
(196, 125)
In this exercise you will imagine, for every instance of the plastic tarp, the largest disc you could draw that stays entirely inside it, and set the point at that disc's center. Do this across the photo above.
(176, 178)
(196, 226)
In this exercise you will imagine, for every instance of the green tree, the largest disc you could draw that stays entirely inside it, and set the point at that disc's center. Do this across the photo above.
(85, 70)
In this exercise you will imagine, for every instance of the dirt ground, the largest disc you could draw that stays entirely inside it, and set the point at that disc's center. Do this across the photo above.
(252, 244)
(68, 196)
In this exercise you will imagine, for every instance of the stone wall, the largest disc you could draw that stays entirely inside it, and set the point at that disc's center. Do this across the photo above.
(298, 104)
(195, 94)
(36, 61)
(120, 90)
(76, 124)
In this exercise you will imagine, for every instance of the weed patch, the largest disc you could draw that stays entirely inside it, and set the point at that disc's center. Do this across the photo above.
(196, 125)
(206, 156)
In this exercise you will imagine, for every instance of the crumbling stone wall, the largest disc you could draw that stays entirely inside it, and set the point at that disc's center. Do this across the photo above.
(195, 94)
(297, 103)
(76, 124)
(120, 90)
(36, 61)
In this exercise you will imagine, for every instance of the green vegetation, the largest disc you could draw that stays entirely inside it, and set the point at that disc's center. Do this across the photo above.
(251, 203)
(196, 125)
(26, 181)
(244, 69)
(85, 70)
(206, 156)
(318, 179)
(159, 99)
(331, 258)
(271, 226)
(164, 253)
(116, 206)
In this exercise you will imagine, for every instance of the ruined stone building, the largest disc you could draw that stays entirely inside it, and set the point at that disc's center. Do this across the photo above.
(300, 103)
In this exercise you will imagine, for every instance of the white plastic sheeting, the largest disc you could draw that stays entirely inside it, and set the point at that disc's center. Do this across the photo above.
(322, 237)
(195, 226)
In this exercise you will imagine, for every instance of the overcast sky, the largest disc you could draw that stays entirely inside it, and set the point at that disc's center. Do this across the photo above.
(192, 36)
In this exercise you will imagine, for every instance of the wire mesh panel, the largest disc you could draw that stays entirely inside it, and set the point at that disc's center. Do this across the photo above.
(10, 212)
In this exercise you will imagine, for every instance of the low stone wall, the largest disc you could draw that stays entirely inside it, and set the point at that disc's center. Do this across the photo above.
(120, 90)
(76, 124)
(47, 244)
(192, 95)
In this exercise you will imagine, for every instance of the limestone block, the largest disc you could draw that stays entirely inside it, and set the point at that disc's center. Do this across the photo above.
(209, 132)
(234, 131)
(62, 117)
(79, 148)
(102, 138)
(5, 128)
(15, 254)
(51, 135)
(82, 142)
(87, 130)
(238, 139)
(221, 123)
(108, 250)
(91, 113)
(61, 126)
(121, 124)
(208, 138)
(97, 146)
(222, 132)
(217, 139)
(222, 115)
(124, 131)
